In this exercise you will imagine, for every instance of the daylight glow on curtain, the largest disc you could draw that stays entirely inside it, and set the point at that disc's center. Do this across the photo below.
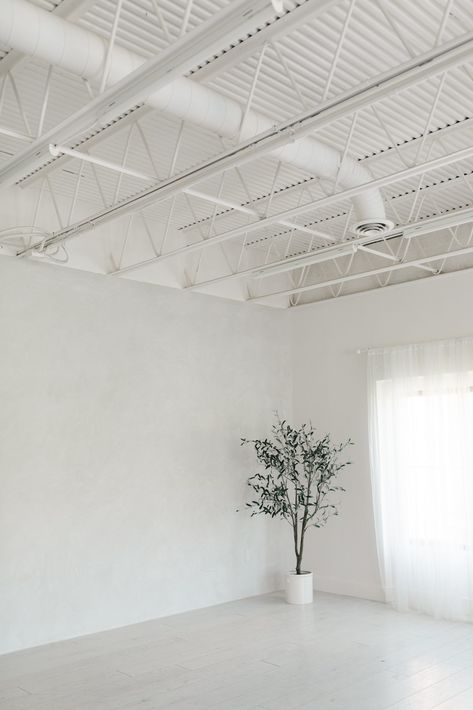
(421, 443)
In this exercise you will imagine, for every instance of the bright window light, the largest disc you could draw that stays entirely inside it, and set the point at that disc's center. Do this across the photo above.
(421, 424)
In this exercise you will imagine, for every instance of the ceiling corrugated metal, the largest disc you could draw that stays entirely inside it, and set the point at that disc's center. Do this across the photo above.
(299, 70)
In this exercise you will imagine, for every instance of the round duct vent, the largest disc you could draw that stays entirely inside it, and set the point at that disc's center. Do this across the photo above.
(363, 229)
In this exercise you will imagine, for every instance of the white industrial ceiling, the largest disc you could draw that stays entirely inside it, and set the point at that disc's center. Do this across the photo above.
(387, 83)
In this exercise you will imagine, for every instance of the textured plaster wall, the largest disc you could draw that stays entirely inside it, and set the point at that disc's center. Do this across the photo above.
(122, 405)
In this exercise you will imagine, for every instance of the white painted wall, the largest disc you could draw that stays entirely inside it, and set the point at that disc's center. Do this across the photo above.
(330, 387)
(120, 466)
(121, 471)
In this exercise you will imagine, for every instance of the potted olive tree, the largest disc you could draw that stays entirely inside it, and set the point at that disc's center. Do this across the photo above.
(298, 483)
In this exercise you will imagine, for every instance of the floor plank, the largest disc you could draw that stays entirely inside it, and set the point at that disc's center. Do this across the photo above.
(253, 654)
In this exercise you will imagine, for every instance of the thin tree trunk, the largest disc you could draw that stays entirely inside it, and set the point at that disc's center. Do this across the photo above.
(301, 552)
(296, 551)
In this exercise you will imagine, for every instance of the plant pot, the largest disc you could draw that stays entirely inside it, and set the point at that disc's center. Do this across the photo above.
(300, 588)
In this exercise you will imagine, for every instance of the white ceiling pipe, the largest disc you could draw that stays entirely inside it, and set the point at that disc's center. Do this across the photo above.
(220, 201)
(35, 32)
(57, 150)
(246, 210)
(291, 212)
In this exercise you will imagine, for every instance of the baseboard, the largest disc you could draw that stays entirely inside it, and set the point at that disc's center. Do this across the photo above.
(348, 587)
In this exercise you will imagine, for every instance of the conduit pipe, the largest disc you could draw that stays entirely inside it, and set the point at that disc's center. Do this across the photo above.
(37, 33)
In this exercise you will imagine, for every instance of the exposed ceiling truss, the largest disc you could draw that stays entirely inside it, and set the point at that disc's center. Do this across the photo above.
(113, 184)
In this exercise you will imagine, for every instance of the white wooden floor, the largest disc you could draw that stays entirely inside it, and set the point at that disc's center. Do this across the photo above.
(340, 653)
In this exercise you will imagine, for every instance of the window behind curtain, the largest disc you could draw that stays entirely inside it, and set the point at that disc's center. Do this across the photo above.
(421, 441)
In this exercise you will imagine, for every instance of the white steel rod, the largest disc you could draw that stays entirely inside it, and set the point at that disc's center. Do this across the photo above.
(99, 186)
(57, 150)
(289, 74)
(273, 187)
(307, 230)
(3, 91)
(20, 105)
(432, 62)
(242, 253)
(44, 105)
(443, 22)
(147, 149)
(125, 240)
(123, 164)
(396, 29)
(168, 222)
(177, 148)
(148, 232)
(300, 262)
(75, 195)
(409, 232)
(336, 56)
(291, 235)
(391, 257)
(185, 20)
(15, 134)
(161, 20)
(111, 43)
(247, 210)
(390, 287)
(252, 90)
(299, 14)
(214, 213)
(323, 202)
(390, 137)
(367, 274)
(413, 71)
(196, 47)
(345, 150)
(433, 108)
(36, 211)
(54, 201)
(220, 201)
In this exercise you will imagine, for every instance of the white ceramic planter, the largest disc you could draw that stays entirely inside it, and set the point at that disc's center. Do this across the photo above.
(300, 588)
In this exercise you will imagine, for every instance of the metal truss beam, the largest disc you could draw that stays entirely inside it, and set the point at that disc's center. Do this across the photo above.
(389, 287)
(15, 134)
(57, 150)
(253, 213)
(437, 60)
(333, 252)
(367, 274)
(304, 12)
(376, 160)
(133, 89)
(294, 211)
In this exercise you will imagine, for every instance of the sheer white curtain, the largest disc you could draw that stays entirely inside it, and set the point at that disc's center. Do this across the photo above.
(421, 442)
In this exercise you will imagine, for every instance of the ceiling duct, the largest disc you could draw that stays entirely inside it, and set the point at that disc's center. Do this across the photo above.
(372, 228)
(37, 33)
